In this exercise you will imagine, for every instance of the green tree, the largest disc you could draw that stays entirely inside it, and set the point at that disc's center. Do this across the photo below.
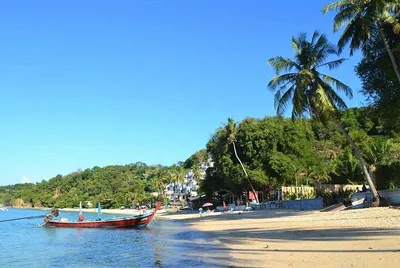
(196, 159)
(310, 91)
(178, 173)
(379, 82)
(363, 20)
(160, 179)
(232, 132)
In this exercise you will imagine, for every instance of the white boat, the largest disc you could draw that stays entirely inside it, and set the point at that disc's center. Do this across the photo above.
(3, 208)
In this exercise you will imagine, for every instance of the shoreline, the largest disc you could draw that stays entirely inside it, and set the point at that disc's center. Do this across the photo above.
(293, 238)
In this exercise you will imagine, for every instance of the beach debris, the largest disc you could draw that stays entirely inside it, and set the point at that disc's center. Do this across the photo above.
(266, 246)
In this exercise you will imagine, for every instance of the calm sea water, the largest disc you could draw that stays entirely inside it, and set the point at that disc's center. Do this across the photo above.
(23, 244)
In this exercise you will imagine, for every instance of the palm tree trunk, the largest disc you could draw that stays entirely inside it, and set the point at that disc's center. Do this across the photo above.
(244, 170)
(360, 159)
(389, 51)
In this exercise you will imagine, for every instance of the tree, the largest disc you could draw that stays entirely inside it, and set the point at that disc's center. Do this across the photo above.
(379, 82)
(310, 91)
(363, 20)
(160, 179)
(197, 172)
(196, 159)
(178, 173)
(231, 129)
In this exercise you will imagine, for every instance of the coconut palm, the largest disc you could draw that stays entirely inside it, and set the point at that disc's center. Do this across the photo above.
(197, 172)
(311, 91)
(232, 131)
(365, 19)
(160, 180)
(178, 174)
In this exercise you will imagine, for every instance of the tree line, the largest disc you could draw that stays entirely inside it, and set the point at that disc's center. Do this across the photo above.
(276, 151)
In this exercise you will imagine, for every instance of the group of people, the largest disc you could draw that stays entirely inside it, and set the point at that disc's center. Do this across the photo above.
(363, 190)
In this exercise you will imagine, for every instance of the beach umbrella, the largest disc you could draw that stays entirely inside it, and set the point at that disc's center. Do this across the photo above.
(208, 204)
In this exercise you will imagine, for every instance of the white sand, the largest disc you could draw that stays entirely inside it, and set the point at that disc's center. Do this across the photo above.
(285, 238)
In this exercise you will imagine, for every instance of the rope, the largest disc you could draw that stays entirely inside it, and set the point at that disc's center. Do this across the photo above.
(24, 218)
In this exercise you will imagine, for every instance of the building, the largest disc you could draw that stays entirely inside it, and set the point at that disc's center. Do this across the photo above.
(190, 186)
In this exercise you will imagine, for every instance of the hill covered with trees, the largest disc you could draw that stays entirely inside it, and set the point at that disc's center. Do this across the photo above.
(275, 151)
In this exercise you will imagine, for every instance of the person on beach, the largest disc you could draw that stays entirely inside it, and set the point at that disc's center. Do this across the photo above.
(364, 188)
(201, 212)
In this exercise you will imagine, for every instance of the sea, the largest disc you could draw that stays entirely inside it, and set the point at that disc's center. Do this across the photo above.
(163, 243)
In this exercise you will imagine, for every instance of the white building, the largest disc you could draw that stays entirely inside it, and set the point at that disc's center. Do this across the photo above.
(189, 187)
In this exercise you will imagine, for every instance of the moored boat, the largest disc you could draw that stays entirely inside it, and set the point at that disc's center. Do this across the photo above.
(3, 208)
(126, 222)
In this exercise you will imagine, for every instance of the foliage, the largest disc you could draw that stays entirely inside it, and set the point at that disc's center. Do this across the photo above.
(379, 82)
(361, 20)
(113, 186)
(303, 85)
(195, 159)
(278, 151)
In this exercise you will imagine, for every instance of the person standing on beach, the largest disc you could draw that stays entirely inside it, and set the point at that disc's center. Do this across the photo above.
(201, 212)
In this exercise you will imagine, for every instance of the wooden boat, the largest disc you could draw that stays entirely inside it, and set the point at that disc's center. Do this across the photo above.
(121, 222)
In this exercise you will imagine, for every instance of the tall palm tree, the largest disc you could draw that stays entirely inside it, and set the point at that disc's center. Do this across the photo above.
(160, 180)
(197, 172)
(364, 19)
(310, 91)
(232, 131)
(178, 174)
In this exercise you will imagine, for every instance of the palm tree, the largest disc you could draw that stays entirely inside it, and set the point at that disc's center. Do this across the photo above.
(232, 131)
(310, 91)
(160, 179)
(178, 174)
(364, 19)
(197, 172)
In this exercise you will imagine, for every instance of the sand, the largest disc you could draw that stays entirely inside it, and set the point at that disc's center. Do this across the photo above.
(287, 238)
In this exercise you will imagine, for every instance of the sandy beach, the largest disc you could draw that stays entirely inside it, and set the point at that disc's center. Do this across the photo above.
(287, 238)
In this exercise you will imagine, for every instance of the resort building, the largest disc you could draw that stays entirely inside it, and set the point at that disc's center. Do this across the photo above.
(189, 187)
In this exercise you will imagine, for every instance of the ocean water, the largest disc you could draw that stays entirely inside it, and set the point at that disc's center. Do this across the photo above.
(23, 244)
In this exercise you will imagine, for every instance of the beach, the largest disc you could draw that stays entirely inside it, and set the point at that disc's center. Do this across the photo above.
(289, 238)
(284, 238)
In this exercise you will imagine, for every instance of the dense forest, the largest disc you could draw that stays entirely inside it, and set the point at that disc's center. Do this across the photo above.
(113, 186)
(276, 151)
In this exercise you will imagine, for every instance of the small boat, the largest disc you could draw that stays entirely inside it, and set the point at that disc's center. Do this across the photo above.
(121, 222)
(3, 208)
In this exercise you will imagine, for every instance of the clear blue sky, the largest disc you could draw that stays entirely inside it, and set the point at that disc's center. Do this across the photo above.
(87, 83)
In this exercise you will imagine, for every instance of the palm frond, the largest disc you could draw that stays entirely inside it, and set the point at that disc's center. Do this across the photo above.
(296, 45)
(282, 100)
(332, 64)
(282, 64)
(338, 85)
(282, 80)
(338, 5)
(345, 15)
(336, 101)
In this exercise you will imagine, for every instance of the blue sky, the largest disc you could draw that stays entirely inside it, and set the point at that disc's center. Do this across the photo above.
(87, 83)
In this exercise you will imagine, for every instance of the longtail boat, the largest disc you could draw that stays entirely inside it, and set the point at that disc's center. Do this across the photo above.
(124, 222)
